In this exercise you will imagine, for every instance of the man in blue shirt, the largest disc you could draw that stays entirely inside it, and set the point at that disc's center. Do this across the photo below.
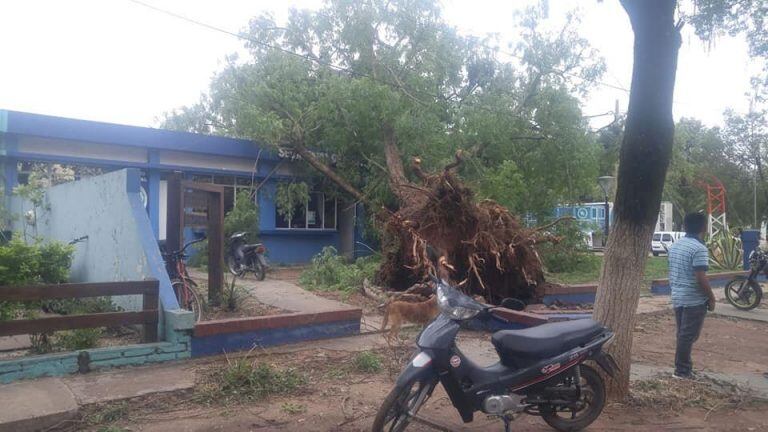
(691, 294)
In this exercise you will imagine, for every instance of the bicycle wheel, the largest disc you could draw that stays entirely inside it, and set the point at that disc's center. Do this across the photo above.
(187, 299)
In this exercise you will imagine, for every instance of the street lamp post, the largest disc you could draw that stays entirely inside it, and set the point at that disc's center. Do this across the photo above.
(606, 184)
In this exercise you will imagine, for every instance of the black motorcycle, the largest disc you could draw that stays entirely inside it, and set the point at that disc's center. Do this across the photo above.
(744, 292)
(541, 371)
(243, 257)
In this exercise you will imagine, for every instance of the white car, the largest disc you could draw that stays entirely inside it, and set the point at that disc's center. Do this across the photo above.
(662, 240)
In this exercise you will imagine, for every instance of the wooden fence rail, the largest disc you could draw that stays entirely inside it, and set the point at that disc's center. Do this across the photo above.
(148, 316)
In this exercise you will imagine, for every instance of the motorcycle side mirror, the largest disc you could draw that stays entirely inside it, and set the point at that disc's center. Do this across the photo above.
(513, 304)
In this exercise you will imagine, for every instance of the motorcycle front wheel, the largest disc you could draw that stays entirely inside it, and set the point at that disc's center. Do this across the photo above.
(402, 402)
(585, 411)
(743, 293)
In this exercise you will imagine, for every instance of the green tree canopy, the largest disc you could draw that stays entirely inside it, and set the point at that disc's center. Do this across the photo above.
(369, 85)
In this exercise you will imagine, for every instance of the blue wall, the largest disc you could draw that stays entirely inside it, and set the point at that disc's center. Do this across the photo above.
(289, 246)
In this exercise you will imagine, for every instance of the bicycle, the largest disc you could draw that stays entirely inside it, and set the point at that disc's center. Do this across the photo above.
(183, 286)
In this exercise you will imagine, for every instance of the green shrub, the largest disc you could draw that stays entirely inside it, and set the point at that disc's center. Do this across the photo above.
(79, 339)
(330, 272)
(55, 261)
(19, 263)
(570, 253)
(244, 216)
(22, 263)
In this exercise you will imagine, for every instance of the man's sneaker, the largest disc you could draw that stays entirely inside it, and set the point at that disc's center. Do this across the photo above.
(682, 377)
(765, 375)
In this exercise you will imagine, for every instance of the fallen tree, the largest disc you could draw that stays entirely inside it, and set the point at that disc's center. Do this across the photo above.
(490, 252)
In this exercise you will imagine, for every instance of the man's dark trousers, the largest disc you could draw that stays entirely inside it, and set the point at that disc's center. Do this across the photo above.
(690, 320)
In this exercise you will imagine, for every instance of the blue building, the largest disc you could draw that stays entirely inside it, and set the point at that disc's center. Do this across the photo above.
(32, 140)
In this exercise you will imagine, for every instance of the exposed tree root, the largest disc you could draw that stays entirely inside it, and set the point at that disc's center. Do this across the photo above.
(486, 247)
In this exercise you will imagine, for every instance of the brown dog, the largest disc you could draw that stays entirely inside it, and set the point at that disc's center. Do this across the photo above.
(398, 312)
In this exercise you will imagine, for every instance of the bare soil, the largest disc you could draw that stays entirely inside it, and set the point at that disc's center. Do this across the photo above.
(246, 307)
(726, 345)
(339, 397)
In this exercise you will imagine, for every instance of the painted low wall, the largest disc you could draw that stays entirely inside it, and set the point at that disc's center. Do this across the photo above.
(120, 245)
(178, 331)
(570, 294)
(717, 280)
(241, 334)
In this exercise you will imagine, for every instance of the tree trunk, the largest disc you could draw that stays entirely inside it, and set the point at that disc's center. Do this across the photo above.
(645, 154)
(327, 171)
(404, 190)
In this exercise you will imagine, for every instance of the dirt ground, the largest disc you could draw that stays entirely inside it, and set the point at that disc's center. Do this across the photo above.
(726, 345)
(339, 397)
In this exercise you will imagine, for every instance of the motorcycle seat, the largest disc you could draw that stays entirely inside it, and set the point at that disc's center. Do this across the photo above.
(250, 247)
(546, 340)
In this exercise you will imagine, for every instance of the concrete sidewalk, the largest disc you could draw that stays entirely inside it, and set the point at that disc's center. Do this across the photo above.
(39, 404)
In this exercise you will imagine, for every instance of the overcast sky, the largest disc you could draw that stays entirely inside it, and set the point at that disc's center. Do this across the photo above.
(116, 61)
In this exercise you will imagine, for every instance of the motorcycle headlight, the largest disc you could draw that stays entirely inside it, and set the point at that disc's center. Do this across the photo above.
(448, 305)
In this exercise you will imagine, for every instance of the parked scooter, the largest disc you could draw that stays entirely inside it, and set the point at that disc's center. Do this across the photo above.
(744, 292)
(242, 257)
(541, 371)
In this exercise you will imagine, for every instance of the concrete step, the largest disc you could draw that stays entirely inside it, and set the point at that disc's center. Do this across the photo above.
(28, 406)
(40, 404)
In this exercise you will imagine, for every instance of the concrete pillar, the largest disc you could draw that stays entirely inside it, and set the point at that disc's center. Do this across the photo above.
(153, 204)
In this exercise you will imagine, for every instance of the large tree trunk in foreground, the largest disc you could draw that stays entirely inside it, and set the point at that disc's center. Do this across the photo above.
(643, 162)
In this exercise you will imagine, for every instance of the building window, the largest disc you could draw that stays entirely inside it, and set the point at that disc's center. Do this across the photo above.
(318, 212)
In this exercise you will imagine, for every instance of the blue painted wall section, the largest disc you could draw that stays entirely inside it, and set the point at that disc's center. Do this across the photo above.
(661, 286)
(178, 329)
(239, 341)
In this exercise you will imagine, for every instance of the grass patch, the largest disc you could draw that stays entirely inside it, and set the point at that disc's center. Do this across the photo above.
(330, 272)
(293, 408)
(655, 268)
(108, 413)
(244, 379)
(367, 362)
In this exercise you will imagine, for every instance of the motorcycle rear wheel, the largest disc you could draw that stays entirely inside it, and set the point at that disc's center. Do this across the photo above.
(592, 399)
(393, 416)
(259, 271)
(743, 294)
